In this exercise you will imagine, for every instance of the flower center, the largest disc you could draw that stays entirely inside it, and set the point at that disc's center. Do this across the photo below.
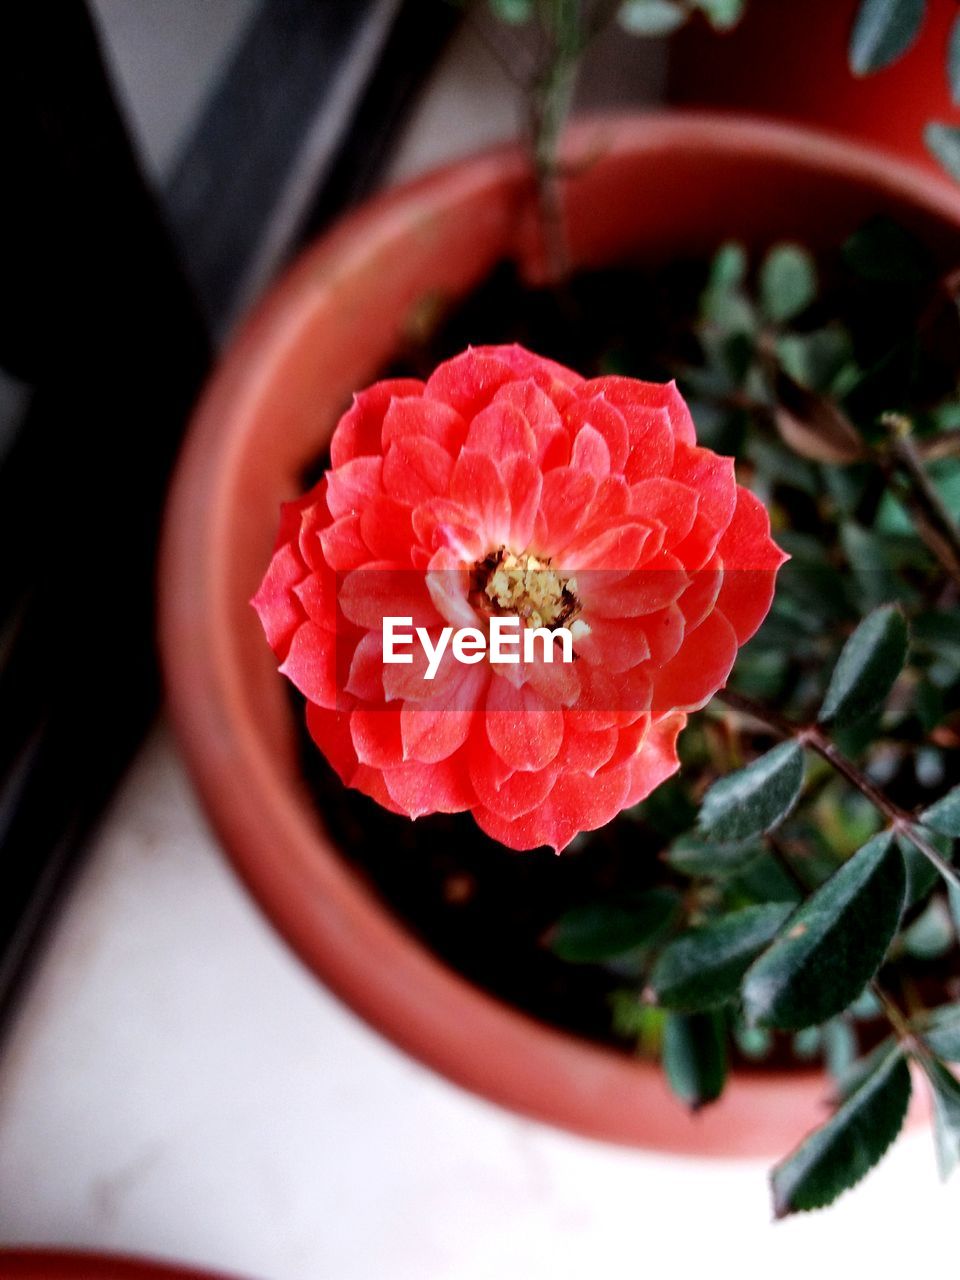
(527, 586)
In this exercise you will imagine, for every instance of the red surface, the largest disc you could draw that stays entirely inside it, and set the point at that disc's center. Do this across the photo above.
(654, 186)
(39, 1264)
(789, 59)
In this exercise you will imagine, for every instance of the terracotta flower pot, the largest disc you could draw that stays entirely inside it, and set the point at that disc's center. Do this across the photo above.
(39, 1264)
(790, 60)
(648, 188)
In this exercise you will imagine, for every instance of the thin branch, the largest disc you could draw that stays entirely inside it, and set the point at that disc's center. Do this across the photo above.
(900, 820)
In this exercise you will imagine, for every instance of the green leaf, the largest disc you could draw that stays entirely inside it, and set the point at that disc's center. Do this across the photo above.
(953, 61)
(884, 252)
(838, 1154)
(839, 1047)
(694, 857)
(931, 934)
(940, 1029)
(650, 17)
(788, 282)
(722, 14)
(695, 1057)
(513, 12)
(883, 32)
(832, 945)
(944, 816)
(599, 931)
(702, 969)
(943, 143)
(945, 1093)
(868, 665)
(922, 875)
(753, 800)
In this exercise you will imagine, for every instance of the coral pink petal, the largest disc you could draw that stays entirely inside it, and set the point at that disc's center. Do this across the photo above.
(416, 468)
(278, 609)
(359, 430)
(590, 453)
(523, 728)
(672, 504)
(500, 430)
(310, 664)
(657, 758)
(468, 381)
(441, 522)
(343, 545)
(553, 441)
(443, 787)
(387, 529)
(353, 486)
(577, 802)
(365, 678)
(416, 417)
(478, 486)
(523, 481)
(701, 595)
(604, 418)
(701, 667)
(376, 736)
(318, 595)
(380, 590)
(566, 493)
(330, 730)
(751, 561)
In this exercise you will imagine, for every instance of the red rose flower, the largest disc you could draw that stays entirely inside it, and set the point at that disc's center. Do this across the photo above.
(509, 485)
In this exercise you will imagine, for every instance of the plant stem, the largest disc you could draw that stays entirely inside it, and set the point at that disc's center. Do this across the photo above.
(901, 821)
(935, 523)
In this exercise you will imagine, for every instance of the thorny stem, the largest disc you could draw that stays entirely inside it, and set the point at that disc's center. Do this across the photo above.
(900, 820)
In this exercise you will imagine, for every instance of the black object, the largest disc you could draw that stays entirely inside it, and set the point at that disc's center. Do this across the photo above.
(108, 318)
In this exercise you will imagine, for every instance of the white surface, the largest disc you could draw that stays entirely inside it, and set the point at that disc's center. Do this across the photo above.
(177, 1085)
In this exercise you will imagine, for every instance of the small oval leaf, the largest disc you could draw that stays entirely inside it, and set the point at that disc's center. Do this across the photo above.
(945, 1091)
(599, 931)
(838, 1154)
(702, 968)
(944, 816)
(868, 665)
(953, 61)
(695, 1057)
(788, 282)
(832, 945)
(650, 17)
(883, 32)
(753, 800)
(943, 143)
(940, 1029)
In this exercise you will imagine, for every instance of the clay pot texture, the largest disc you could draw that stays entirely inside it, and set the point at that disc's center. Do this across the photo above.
(647, 188)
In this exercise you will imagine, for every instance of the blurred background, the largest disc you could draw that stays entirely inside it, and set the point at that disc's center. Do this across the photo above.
(171, 1082)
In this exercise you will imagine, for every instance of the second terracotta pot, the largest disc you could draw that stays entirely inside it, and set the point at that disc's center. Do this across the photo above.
(648, 189)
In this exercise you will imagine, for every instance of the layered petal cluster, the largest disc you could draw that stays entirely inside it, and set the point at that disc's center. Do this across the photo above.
(444, 500)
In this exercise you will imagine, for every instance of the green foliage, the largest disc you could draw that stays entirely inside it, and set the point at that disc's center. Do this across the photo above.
(599, 931)
(788, 282)
(836, 1156)
(832, 945)
(884, 252)
(695, 1057)
(650, 17)
(944, 815)
(702, 969)
(755, 799)
(514, 12)
(941, 1031)
(883, 32)
(943, 142)
(868, 665)
(945, 1092)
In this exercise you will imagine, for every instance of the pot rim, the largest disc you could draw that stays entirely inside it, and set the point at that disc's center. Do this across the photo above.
(337, 926)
